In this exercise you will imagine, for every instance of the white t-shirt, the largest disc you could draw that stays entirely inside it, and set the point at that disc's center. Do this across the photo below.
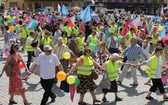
(47, 65)
(159, 66)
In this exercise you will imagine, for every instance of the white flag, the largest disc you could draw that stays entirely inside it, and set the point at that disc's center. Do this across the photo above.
(73, 19)
(93, 2)
(59, 8)
(136, 22)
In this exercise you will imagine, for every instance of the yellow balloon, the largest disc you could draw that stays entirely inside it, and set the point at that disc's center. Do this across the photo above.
(70, 80)
(66, 55)
(160, 28)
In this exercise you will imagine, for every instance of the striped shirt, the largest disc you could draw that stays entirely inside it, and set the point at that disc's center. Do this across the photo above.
(60, 50)
(133, 52)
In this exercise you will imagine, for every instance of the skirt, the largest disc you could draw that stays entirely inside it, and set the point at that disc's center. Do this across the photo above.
(86, 83)
(113, 87)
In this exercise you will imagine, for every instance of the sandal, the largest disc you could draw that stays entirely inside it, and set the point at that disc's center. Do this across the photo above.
(95, 101)
(165, 98)
(104, 99)
(27, 103)
(82, 103)
(13, 102)
(149, 98)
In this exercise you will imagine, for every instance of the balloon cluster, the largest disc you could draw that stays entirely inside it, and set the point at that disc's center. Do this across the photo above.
(61, 76)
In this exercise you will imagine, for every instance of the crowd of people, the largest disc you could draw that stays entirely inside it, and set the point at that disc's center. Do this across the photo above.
(46, 43)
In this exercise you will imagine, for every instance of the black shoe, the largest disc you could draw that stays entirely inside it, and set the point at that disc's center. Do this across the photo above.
(82, 103)
(165, 98)
(149, 98)
(53, 99)
(134, 84)
(13, 102)
(118, 99)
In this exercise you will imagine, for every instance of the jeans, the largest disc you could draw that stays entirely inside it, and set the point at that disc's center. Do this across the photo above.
(30, 54)
(47, 85)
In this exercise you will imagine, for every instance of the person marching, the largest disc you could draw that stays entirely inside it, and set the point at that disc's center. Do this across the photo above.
(30, 50)
(154, 66)
(112, 66)
(84, 69)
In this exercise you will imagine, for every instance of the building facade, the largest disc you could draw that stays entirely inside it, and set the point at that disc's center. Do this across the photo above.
(13, 3)
(34, 4)
(137, 6)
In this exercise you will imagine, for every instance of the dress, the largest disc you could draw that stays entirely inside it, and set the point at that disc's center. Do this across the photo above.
(101, 60)
(15, 82)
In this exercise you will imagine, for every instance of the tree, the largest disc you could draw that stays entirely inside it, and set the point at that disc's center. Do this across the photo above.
(156, 4)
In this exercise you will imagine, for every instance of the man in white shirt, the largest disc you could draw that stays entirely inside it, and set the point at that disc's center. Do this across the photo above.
(47, 62)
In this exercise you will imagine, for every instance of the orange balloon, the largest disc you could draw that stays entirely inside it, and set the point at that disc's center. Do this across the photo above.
(12, 28)
(61, 76)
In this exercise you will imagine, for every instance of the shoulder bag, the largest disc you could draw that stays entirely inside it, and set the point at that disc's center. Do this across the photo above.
(8, 69)
(105, 82)
(94, 75)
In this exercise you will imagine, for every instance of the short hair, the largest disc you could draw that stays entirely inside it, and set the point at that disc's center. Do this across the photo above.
(86, 49)
(114, 56)
(158, 48)
(34, 44)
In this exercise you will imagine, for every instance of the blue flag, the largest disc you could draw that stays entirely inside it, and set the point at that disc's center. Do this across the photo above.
(44, 12)
(32, 25)
(162, 33)
(87, 15)
(64, 10)
(82, 14)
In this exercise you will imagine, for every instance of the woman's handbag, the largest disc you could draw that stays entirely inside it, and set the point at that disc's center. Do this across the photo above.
(94, 75)
(8, 69)
(105, 82)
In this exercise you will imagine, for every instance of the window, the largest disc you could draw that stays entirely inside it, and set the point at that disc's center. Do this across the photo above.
(116, 0)
(99, 0)
(13, 4)
(123, 0)
(30, 6)
(131, 0)
(138, 1)
(145, 1)
(109, 0)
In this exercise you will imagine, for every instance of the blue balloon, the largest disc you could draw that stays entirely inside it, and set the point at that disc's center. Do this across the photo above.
(27, 22)
(97, 18)
(13, 22)
(132, 19)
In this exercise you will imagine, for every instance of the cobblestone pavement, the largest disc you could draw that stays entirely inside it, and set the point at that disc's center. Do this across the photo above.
(130, 95)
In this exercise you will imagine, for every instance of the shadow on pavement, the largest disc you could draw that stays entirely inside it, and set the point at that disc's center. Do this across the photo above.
(58, 91)
(155, 102)
(131, 91)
